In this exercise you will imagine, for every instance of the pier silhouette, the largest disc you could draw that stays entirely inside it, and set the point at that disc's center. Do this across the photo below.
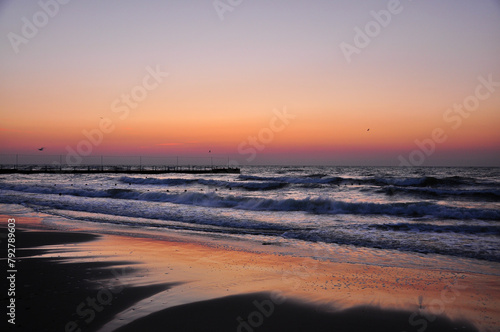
(28, 164)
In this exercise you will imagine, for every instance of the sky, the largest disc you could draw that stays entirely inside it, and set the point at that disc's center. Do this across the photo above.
(290, 82)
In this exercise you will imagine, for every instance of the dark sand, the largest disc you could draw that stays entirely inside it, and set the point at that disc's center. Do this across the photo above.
(213, 289)
(49, 290)
(258, 312)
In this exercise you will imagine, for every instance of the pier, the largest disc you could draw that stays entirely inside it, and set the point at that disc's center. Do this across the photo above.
(122, 169)
(54, 164)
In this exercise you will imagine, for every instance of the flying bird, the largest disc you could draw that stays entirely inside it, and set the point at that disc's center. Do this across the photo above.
(41, 149)
(368, 129)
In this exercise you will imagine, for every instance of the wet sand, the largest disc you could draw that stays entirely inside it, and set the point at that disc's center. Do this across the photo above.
(51, 291)
(108, 282)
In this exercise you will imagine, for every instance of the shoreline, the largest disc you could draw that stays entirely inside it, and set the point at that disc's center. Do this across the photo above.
(167, 282)
(56, 294)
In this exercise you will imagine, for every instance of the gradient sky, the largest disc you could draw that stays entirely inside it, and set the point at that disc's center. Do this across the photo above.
(226, 76)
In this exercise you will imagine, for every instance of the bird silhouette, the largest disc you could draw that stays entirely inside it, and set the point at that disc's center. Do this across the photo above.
(368, 129)
(41, 149)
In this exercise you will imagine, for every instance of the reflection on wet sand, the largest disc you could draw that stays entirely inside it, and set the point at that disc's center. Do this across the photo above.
(173, 282)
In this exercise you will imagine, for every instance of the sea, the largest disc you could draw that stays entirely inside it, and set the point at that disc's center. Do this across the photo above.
(374, 215)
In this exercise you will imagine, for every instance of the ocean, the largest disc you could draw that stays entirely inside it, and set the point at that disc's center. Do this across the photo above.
(451, 214)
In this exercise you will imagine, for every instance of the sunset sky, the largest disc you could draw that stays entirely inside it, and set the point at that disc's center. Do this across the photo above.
(67, 70)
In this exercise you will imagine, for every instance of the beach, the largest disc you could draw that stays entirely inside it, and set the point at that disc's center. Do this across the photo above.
(270, 249)
(71, 278)
(250, 166)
